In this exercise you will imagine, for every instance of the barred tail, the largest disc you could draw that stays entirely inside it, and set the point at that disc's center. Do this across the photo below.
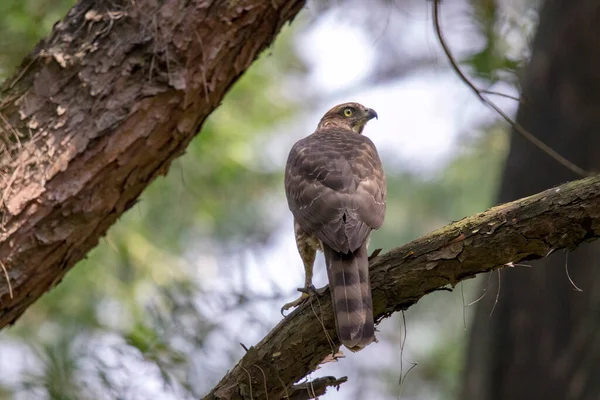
(351, 294)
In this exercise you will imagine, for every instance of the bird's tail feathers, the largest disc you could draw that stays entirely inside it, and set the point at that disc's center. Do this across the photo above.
(351, 294)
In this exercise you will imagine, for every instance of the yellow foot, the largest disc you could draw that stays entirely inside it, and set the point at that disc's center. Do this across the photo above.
(307, 293)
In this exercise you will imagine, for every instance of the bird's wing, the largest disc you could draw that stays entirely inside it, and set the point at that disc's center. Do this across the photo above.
(335, 187)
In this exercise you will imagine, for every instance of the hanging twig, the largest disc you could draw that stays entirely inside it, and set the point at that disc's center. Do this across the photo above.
(480, 94)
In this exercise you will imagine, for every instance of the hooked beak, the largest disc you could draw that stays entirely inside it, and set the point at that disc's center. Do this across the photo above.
(371, 114)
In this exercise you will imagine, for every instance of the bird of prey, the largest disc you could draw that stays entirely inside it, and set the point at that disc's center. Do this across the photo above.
(336, 190)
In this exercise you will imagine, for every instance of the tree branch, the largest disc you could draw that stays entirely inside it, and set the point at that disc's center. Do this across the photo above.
(99, 110)
(314, 388)
(527, 229)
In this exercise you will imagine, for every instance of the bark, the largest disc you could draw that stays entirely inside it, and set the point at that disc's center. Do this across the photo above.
(541, 341)
(527, 229)
(99, 110)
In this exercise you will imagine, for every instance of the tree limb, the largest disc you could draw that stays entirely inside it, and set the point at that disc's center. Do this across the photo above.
(527, 229)
(99, 110)
(314, 388)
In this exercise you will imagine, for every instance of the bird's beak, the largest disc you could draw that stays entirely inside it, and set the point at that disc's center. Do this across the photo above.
(371, 113)
(360, 123)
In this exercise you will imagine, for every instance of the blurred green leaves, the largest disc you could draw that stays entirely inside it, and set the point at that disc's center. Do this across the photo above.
(22, 24)
(505, 28)
(58, 377)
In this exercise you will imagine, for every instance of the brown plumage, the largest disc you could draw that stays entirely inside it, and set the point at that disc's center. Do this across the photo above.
(335, 186)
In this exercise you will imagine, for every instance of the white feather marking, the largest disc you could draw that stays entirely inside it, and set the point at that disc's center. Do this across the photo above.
(313, 200)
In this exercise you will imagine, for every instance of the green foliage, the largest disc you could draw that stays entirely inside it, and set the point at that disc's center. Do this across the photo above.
(491, 61)
(22, 24)
(501, 59)
(58, 378)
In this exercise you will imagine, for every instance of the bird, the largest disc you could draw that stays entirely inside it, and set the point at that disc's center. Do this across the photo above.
(336, 190)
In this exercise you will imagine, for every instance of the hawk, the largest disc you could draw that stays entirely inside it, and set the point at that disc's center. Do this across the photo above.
(335, 188)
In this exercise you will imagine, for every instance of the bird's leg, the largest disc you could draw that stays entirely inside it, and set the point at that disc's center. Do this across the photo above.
(308, 254)
(307, 291)
(309, 288)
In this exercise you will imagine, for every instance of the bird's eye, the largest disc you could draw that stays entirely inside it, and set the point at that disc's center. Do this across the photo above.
(348, 112)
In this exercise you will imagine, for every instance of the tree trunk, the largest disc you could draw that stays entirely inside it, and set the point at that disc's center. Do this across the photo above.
(99, 110)
(541, 341)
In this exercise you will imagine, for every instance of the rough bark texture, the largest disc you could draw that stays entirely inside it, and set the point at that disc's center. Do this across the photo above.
(542, 339)
(527, 229)
(100, 109)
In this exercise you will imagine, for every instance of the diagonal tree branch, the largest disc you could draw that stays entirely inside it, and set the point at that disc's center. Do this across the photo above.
(99, 110)
(530, 228)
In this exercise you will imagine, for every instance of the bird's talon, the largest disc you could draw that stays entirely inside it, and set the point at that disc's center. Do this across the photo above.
(307, 293)
(308, 290)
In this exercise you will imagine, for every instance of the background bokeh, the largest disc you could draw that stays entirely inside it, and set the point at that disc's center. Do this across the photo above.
(206, 258)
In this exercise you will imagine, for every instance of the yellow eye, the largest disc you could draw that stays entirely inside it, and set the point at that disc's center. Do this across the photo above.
(348, 112)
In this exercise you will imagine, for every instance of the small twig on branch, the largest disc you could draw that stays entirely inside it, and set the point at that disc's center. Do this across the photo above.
(316, 387)
(264, 380)
(480, 94)
(568, 275)
(506, 96)
(403, 375)
(10, 292)
(249, 381)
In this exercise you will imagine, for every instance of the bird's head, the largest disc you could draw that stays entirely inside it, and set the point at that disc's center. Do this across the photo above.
(351, 116)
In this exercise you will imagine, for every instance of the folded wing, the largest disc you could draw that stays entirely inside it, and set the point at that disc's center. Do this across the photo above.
(335, 187)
